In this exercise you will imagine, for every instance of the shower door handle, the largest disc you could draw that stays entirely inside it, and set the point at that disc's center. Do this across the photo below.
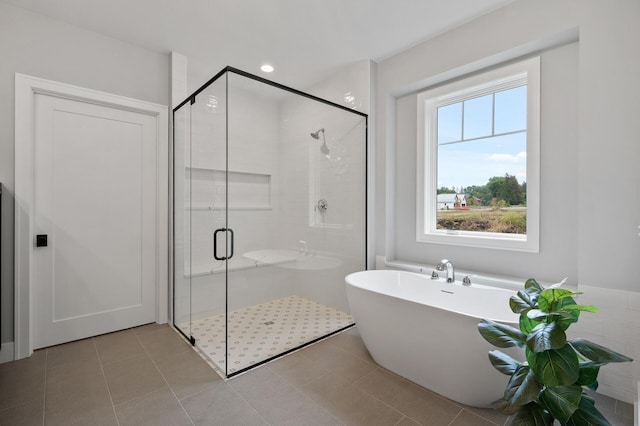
(215, 244)
(232, 238)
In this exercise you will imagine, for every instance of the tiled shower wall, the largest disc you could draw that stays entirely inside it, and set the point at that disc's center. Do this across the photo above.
(616, 326)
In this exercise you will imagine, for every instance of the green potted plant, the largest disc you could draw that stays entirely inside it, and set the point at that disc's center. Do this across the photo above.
(550, 384)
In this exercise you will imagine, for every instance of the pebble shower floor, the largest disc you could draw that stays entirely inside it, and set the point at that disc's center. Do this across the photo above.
(263, 331)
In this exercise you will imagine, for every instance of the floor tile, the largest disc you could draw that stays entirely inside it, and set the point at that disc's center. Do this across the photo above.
(71, 353)
(349, 404)
(350, 341)
(118, 346)
(467, 418)
(329, 383)
(406, 421)
(79, 400)
(297, 368)
(85, 366)
(149, 328)
(340, 362)
(187, 373)
(21, 384)
(159, 408)
(279, 402)
(410, 399)
(23, 415)
(488, 414)
(221, 405)
(132, 378)
(163, 341)
(35, 362)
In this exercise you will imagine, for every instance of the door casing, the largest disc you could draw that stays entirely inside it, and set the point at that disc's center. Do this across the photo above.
(26, 87)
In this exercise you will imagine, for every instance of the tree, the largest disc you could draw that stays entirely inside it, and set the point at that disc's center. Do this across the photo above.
(505, 188)
(445, 190)
(510, 190)
(479, 192)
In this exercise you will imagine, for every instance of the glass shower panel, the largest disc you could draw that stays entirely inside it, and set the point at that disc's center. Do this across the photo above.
(269, 216)
(182, 219)
(296, 180)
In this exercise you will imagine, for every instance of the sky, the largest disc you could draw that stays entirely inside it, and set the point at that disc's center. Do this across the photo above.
(463, 162)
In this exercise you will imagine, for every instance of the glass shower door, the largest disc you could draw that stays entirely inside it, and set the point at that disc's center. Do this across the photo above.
(200, 198)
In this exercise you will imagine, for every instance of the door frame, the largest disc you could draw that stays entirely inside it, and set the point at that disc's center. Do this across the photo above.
(26, 88)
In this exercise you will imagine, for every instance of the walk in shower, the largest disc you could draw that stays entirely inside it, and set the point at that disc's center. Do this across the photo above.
(269, 215)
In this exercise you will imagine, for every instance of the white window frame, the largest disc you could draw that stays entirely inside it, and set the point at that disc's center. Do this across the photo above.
(525, 72)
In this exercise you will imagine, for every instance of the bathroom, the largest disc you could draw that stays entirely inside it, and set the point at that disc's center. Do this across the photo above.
(586, 155)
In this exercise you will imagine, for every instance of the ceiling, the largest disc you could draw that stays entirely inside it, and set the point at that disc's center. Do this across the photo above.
(305, 40)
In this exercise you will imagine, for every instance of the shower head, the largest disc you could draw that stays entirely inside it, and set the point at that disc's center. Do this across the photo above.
(316, 135)
(324, 148)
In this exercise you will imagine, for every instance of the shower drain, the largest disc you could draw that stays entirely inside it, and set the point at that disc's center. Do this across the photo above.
(269, 323)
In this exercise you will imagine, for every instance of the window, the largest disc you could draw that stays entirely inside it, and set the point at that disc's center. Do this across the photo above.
(478, 160)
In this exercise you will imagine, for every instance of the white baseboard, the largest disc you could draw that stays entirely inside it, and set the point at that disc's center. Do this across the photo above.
(7, 352)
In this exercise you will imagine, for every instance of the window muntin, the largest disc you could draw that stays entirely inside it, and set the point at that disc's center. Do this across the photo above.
(472, 130)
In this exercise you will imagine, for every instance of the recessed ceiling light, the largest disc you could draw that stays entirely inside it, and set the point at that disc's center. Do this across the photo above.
(266, 68)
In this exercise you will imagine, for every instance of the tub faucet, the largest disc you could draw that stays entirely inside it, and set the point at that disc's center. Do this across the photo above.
(448, 266)
(303, 247)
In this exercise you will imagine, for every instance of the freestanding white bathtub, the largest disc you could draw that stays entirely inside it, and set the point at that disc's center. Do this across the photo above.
(426, 331)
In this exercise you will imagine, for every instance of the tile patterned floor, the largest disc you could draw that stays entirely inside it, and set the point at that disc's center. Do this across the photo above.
(263, 331)
(151, 376)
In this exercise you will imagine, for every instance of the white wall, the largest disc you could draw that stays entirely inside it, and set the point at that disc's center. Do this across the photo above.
(589, 152)
(490, 40)
(39, 46)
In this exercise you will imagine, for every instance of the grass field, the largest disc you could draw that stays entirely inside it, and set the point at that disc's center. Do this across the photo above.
(511, 220)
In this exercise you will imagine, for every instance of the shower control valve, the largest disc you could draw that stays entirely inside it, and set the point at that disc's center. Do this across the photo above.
(322, 205)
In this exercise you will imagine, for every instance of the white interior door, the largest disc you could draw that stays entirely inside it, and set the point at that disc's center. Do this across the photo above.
(95, 199)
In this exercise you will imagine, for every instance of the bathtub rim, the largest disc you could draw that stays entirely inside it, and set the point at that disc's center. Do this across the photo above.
(514, 321)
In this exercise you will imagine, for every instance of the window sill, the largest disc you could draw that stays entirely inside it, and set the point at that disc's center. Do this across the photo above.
(510, 242)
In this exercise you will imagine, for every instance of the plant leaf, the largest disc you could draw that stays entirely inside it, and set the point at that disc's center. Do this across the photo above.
(588, 374)
(587, 414)
(587, 308)
(549, 296)
(500, 335)
(503, 362)
(525, 299)
(536, 314)
(596, 353)
(555, 367)
(569, 317)
(561, 401)
(522, 387)
(518, 305)
(527, 324)
(531, 283)
(546, 336)
(532, 414)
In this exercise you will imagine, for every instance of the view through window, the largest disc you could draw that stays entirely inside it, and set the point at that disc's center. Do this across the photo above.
(482, 163)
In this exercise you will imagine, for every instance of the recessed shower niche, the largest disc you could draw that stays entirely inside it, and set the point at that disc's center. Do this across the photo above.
(269, 216)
